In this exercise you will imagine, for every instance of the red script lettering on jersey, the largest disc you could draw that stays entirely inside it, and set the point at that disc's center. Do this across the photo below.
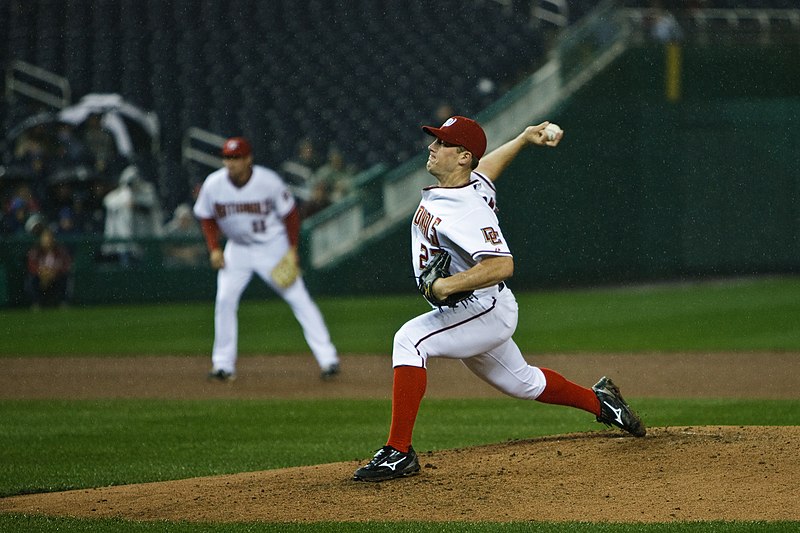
(427, 223)
(263, 207)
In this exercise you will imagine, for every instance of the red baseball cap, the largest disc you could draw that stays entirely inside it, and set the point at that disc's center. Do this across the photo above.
(462, 131)
(236, 147)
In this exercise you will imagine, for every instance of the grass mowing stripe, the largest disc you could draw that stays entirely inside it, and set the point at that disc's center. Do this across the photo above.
(761, 314)
(75, 444)
(756, 315)
(46, 524)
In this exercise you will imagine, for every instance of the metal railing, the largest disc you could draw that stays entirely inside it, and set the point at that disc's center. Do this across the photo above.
(38, 84)
(201, 146)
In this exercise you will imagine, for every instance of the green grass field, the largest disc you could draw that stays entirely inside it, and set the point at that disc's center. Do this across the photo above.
(739, 315)
(58, 445)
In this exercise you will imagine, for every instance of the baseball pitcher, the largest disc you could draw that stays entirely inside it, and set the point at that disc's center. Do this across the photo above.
(463, 261)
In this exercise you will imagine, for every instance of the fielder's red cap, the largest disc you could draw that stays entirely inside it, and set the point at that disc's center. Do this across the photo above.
(462, 131)
(236, 147)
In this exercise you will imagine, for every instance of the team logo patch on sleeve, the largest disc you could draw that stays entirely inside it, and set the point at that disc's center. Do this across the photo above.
(491, 235)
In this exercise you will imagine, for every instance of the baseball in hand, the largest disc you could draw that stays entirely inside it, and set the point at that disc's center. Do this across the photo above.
(551, 131)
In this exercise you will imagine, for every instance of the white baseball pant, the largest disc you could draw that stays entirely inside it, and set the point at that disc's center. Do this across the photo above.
(479, 334)
(241, 262)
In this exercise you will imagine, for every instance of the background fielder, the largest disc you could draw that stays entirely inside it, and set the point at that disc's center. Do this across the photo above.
(457, 217)
(252, 206)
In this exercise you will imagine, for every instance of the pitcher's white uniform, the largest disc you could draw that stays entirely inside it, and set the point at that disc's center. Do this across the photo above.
(462, 222)
(252, 219)
(457, 217)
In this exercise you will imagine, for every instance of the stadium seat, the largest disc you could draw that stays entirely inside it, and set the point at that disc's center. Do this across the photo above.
(332, 68)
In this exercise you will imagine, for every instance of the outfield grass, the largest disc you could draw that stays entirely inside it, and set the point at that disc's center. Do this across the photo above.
(43, 524)
(746, 315)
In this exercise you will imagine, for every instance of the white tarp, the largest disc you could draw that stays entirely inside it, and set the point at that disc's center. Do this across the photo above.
(117, 115)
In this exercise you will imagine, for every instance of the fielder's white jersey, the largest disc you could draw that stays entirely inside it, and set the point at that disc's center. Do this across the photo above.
(461, 221)
(252, 214)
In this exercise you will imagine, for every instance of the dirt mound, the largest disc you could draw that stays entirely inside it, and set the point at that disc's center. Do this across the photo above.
(673, 474)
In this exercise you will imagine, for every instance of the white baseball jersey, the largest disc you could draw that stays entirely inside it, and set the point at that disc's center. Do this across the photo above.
(485, 188)
(461, 221)
(252, 214)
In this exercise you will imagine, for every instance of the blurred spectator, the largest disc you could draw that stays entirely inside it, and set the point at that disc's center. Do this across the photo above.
(21, 205)
(336, 174)
(49, 265)
(89, 209)
(133, 212)
(71, 150)
(665, 27)
(31, 159)
(148, 218)
(66, 225)
(320, 199)
(35, 224)
(100, 143)
(59, 195)
(31, 153)
(298, 171)
(118, 205)
(14, 216)
(184, 226)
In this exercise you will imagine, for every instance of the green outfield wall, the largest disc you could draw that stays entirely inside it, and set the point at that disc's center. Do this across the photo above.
(645, 188)
(642, 188)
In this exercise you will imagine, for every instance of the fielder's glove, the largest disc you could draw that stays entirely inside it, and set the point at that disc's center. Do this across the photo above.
(439, 267)
(286, 271)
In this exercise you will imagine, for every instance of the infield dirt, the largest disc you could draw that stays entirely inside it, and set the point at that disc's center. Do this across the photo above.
(673, 474)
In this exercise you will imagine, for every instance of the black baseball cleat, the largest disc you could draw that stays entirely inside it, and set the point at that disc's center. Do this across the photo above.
(330, 372)
(221, 375)
(614, 411)
(389, 463)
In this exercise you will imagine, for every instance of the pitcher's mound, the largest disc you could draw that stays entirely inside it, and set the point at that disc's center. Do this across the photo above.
(673, 474)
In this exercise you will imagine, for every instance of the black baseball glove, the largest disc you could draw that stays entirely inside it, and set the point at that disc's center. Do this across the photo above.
(439, 267)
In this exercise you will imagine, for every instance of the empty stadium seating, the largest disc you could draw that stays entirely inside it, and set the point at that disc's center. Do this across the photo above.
(363, 74)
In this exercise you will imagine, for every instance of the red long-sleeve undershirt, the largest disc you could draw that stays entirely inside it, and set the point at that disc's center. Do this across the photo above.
(211, 230)
(292, 223)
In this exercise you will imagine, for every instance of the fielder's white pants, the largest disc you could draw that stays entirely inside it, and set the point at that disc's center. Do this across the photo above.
(479, 334)
(241, 262)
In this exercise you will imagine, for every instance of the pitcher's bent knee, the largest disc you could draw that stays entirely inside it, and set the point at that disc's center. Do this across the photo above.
(404, 353)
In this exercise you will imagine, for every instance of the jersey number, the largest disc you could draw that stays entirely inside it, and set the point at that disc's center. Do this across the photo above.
(259, 226)
(426, 254)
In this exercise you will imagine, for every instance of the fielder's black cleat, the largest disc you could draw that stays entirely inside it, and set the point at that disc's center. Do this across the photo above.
(221, 375)
(614, 411)
(330, 372)
(389, 463)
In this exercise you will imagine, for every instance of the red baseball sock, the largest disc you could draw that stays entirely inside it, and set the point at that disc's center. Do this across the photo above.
(560, 391)
(408, 389)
